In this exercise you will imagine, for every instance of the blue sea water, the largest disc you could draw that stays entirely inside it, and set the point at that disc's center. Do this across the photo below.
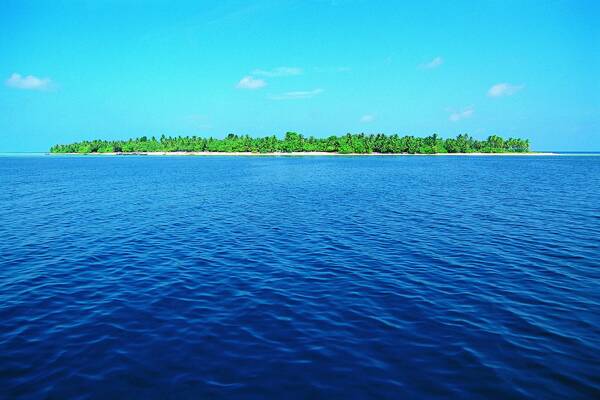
(299, 277)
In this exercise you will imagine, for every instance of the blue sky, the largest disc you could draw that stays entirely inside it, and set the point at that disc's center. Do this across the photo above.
(76, 70)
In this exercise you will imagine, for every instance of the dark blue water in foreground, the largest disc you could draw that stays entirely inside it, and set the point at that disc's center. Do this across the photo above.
(316, 277)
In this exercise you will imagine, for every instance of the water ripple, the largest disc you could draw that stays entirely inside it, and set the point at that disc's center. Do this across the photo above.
(396, 277)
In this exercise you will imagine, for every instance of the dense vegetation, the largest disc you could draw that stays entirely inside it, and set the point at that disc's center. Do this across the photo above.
(293, 142)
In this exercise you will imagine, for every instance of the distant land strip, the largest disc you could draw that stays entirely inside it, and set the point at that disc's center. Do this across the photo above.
(294, 143)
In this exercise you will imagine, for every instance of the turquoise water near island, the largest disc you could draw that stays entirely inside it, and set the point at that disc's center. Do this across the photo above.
(299, 277)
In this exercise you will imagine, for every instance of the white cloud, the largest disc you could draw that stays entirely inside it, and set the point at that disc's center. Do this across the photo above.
(28, 82)
(279, 71)
(249, 82)
(305, 94)
(367, 118)
(436, 62)
(504, 89)
(462, 114)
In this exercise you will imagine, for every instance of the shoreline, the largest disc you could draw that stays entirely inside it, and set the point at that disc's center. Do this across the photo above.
(292, 154)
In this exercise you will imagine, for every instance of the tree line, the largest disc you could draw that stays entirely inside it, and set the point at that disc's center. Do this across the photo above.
(294, 142)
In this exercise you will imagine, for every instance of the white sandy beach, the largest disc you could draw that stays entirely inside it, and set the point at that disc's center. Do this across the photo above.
(296, 154)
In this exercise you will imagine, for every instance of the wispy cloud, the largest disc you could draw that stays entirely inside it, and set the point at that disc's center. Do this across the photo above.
(504, 89)
(251, 83)
(304, 94)
(367, 118)
(277, 72)
(456, 116)
(436, 62)
(28, 82)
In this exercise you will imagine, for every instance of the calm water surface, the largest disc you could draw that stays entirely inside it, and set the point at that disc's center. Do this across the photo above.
(315, 277)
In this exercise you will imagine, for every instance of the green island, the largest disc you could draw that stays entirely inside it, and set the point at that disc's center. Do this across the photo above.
(294, 142)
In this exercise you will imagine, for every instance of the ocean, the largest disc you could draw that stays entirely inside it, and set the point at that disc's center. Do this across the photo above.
(299, 277)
